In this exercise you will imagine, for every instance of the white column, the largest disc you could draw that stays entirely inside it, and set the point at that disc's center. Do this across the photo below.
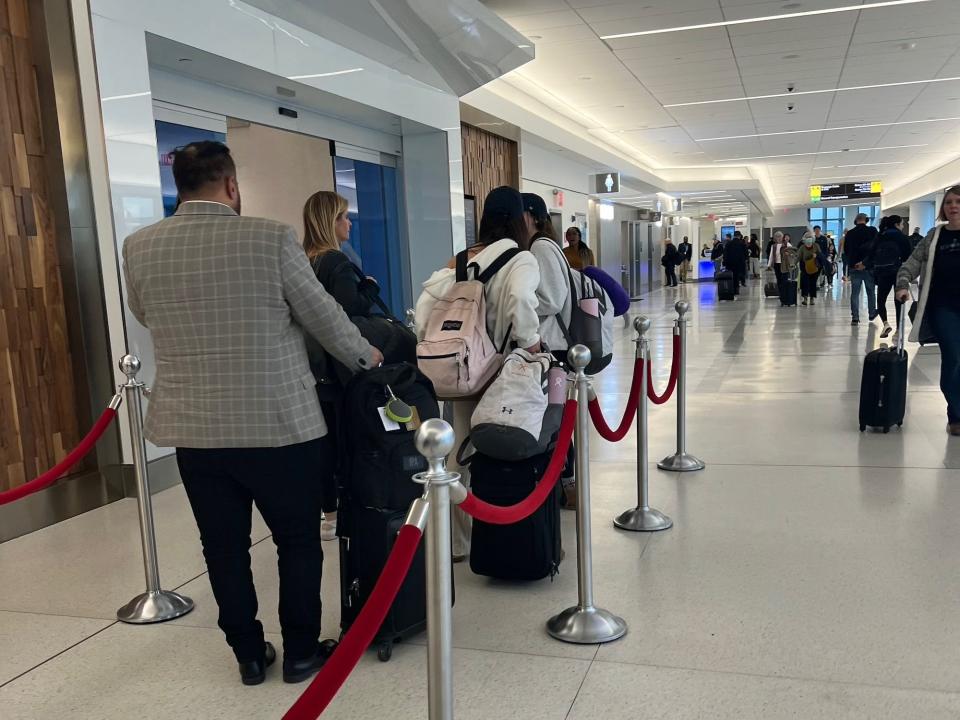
(922, 215)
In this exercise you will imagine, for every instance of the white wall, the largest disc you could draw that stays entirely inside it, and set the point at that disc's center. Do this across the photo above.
(542, 171)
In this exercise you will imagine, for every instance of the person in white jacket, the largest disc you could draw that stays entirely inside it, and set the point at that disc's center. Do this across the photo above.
(511, 304)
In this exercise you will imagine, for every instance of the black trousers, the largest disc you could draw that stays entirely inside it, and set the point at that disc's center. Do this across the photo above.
(222, 486)
(739, 274)
(671, 271)
(779, 274)
(808, 284)
(885, 283)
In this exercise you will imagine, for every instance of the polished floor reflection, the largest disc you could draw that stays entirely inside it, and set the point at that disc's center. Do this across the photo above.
(811, 572)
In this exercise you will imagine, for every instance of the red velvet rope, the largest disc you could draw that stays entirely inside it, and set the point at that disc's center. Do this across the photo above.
(628, 414)
(77, 454)
(334, 673)
(674, 374)
(499, 515)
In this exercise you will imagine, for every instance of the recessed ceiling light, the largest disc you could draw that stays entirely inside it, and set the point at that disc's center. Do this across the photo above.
(535, 37)
(812, 92)
(856, 165)
(907, 46)
(820, 130)
(324, 74)
(785, 16)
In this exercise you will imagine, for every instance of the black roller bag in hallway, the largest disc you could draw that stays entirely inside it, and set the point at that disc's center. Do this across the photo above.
(529, 549)
(726, 286)
(883, 388)
(788, 292)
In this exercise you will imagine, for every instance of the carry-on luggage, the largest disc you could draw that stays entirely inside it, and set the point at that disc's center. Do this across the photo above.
(367, 536)
(726, 286)
(529, 549)
(770, 287)
(788, 292)
(377, 461)
(883, 387)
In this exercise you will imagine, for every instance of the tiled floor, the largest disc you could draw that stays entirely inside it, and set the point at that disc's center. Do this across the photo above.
(811, 573)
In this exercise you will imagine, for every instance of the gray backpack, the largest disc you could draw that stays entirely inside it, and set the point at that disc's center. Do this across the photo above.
(515, 419)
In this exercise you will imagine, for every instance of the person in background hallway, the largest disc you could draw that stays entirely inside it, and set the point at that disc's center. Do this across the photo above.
(916, 238)
(670, 260)
(716, 254)
(891, 251)
(511, 304)
(858, 244)
(686, 257)
(578, 254)
(820, 239)
(234, 395)
(735, 259)
(775, 256)
(936, 261)
(843, 257)
(809, 257)
(707, 248)
(832, 260)
(753, 248)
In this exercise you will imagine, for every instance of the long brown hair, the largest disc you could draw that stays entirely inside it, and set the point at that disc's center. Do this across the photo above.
(955, 190)
(320, 215)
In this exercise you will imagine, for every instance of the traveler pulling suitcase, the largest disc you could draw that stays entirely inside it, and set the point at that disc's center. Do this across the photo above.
(726, 286)
(770, 287)
(377, 462)
(529, 549)
(883, 388)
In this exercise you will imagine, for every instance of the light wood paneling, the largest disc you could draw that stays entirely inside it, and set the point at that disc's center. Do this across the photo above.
(38, 405)
(489, 161)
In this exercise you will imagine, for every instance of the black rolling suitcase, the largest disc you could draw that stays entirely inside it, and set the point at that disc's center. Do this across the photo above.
(377, 461)
(529, 549)
(788, 292)
(367, 536)
(883, 388)
(771, 289)
(726, 286)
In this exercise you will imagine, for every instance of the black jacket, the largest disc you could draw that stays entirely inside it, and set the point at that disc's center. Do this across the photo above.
(822, 242)
(355, 293)
(671, 256)
(735, 254)
(686, 251)
(858, 245)
(716, 252)
(754, 249)
(904, 249)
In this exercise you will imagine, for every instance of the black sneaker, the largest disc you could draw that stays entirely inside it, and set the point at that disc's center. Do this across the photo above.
(855, 321)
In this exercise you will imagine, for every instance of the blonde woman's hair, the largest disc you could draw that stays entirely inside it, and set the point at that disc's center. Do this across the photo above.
(320, 215)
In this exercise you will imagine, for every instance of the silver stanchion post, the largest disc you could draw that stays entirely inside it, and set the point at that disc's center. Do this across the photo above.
(156, 604)
(584, 623)
(435, 441)
(411, 318)
(643, 518)
(682, 461)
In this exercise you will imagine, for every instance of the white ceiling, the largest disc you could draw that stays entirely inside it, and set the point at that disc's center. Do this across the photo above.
(620, 86)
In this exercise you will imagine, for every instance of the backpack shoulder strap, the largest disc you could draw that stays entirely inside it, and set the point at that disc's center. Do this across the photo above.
(498, 264)
(462, 258)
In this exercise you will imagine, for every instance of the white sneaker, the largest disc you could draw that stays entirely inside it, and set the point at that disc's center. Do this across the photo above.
(328, 528)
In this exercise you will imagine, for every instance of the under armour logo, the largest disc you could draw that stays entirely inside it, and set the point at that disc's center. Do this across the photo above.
(508, 411)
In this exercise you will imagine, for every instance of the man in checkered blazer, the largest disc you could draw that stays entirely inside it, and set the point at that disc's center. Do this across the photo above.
(227, 300)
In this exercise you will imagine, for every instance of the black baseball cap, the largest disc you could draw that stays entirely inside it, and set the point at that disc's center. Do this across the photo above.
(535, 205)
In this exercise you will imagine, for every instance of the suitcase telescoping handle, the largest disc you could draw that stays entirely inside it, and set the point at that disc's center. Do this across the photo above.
(902, 325)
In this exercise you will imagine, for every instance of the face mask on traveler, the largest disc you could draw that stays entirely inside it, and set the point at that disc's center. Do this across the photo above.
(808, 242)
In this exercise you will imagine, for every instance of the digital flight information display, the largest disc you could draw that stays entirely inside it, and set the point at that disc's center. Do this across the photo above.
(846, 191)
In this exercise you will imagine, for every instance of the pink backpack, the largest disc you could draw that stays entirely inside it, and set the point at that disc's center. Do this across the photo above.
(457, 352)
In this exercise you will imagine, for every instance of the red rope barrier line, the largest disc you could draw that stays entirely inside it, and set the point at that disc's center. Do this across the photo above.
(334, 673)
(498, 515)
(75, 456)
(628, 414)
(674, 375)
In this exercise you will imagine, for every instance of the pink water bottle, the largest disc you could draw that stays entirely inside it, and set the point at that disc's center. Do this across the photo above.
(557, 393)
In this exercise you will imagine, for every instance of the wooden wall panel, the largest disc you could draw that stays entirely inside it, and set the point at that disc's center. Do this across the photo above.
(489, 161)
(38, 399)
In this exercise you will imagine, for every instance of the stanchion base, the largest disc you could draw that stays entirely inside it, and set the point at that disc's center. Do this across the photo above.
(643, 520)
(681, 462)
(586, 626)
(154, 607)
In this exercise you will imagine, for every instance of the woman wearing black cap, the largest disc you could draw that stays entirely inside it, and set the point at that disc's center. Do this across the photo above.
(511, 307)
(553, 293)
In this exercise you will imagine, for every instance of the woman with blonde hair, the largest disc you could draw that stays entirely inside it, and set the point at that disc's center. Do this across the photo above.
(326, 226)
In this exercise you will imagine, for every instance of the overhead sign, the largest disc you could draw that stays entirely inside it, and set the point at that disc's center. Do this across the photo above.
(846, 191)
(605, 183)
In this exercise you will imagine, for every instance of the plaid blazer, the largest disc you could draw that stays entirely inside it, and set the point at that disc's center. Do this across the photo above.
(225, 298)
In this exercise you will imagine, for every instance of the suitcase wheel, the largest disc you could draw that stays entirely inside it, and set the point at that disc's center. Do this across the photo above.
(862, 428)
(385, 652)
(886, 429)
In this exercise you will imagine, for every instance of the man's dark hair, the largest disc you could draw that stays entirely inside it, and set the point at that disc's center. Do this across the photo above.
(817, 227)
(201, 163)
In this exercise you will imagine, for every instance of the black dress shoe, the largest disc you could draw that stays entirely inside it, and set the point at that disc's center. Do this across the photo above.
(295, 671)
(255, 671)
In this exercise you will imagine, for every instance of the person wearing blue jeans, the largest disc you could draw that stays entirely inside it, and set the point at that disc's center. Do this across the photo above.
(865, 279)
(936, 261)
(859, 244)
